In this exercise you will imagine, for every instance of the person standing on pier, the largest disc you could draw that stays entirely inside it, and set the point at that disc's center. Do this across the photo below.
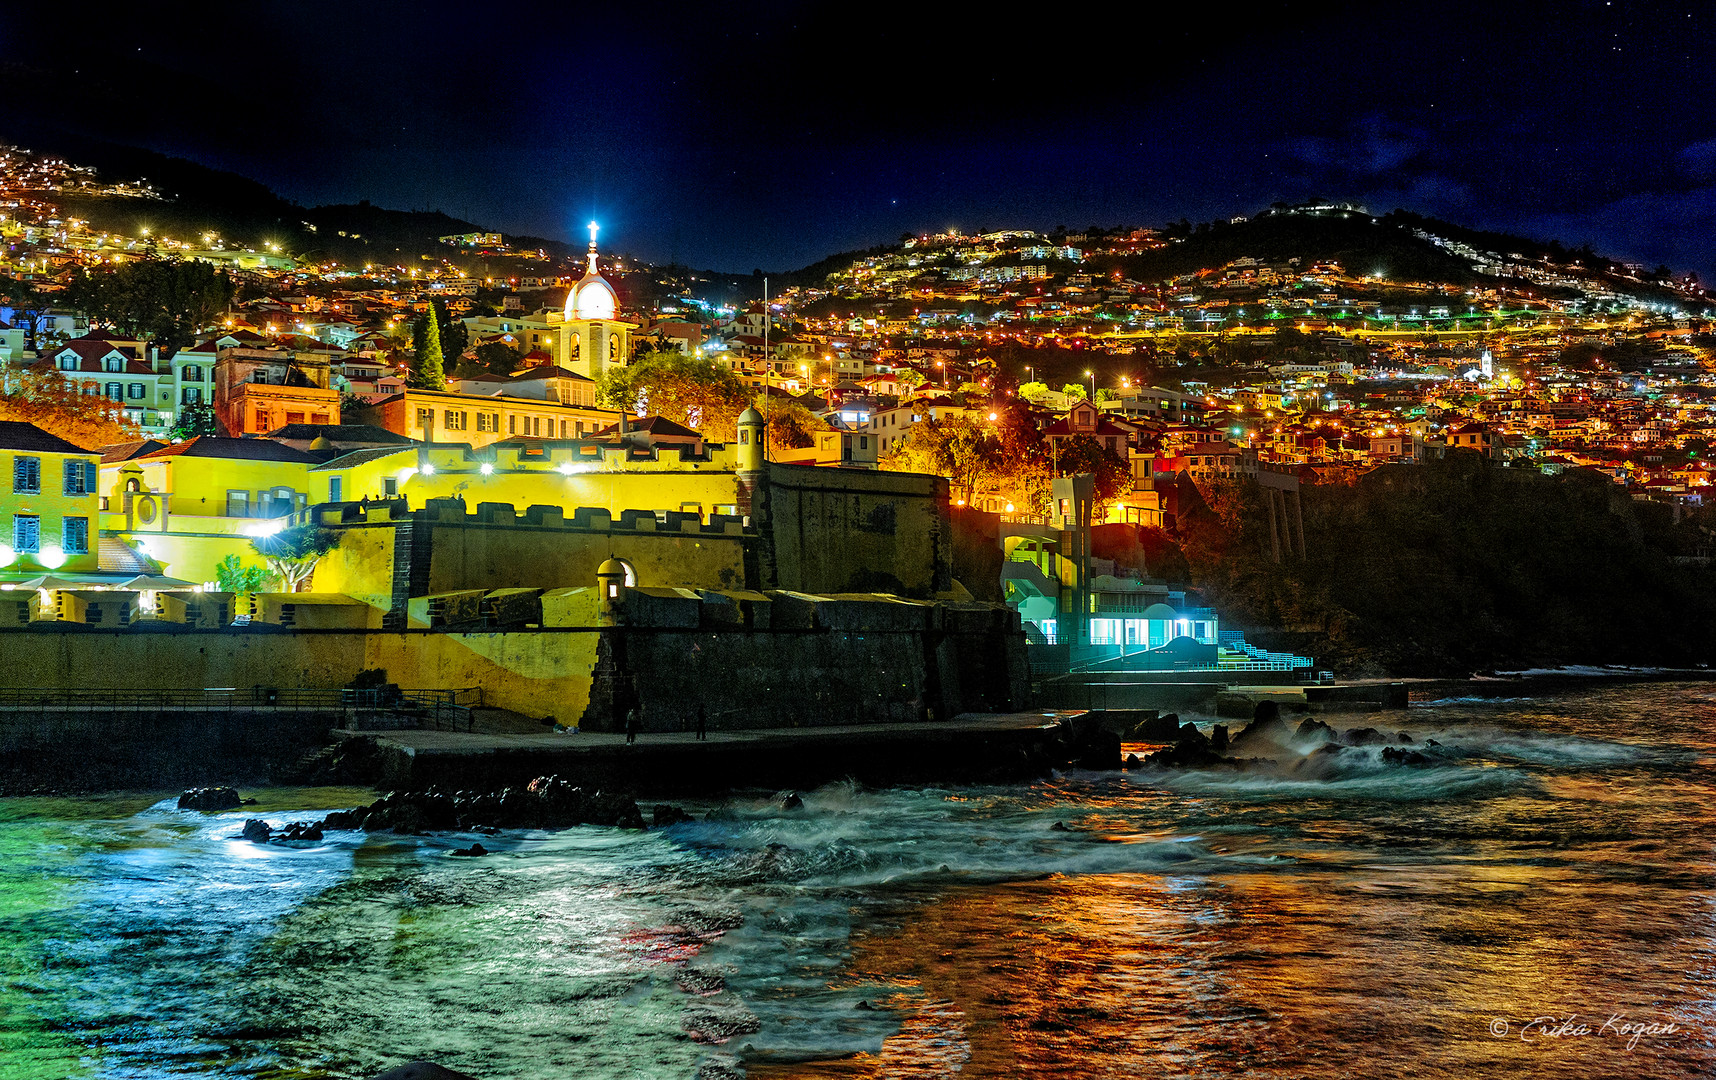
(702, 721)
(631, 725)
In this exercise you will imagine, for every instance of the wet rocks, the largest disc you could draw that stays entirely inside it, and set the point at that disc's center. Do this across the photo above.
(1314, 731)
(1395, 756)
(718, 1022)
(1085, 743)
(788, 801)
(545, 803)
(472, 852)
(1366, 736)
(422, 1070)
(210, 798)
(1157, 729)
(1266, 726)
(666, 815)
(258, 831)
(1218, 738)
(701, 981)
(1190, 754)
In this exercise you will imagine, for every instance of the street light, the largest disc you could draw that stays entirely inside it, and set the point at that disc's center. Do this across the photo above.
(1092, 379)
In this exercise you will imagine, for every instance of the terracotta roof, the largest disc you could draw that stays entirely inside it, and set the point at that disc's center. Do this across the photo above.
(125, 451)
(360, 457)
(18, 435)
(90, 354)
(653, 425)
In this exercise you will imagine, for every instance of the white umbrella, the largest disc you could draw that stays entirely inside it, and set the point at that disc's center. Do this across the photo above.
(155, 581)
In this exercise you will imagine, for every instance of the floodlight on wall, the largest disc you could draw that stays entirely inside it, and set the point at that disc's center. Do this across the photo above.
(7, 555)
(53, 557)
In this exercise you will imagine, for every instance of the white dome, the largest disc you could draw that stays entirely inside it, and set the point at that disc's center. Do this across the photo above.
(591, 298)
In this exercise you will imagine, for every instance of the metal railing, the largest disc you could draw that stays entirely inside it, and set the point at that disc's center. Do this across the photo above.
(444, 709)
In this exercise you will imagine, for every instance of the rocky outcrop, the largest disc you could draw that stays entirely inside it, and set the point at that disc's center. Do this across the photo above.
(258, 831)
(663, 816)
(1313, 732)
(545, 803)
(1266, 727)
(210, 798)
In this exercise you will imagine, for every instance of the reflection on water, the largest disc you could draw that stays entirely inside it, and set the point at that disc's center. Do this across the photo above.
(1325, 917)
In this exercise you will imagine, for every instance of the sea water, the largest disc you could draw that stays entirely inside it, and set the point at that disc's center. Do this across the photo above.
(1538, 901)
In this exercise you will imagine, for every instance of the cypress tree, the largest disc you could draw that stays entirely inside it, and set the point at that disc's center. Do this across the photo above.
(429, 368)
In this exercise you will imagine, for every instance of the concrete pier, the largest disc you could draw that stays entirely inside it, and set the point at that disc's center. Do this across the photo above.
(970, 748)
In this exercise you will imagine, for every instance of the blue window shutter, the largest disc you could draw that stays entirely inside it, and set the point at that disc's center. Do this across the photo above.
(90, 477)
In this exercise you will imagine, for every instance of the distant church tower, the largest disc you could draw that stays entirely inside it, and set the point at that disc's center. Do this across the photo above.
(590, 320)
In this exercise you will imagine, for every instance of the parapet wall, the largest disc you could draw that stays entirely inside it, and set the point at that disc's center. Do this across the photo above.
(751, 659)
(389, 554)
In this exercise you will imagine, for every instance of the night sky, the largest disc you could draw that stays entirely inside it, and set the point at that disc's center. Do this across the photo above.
(767, 135)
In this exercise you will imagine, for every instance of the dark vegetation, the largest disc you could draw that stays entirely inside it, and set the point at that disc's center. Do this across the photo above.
(1456, 566)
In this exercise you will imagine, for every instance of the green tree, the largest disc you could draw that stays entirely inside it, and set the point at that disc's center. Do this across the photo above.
(1031, 391)
(789, 425)
(233, 576)
(493, 358)
(692, 391)
(1074, 390)
(168, 302)
(428, 370)
(292, 554)
(964, 451)
(1083, 454)
(195, 418)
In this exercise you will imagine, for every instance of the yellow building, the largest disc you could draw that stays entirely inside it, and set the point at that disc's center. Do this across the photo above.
(440, 416)
(47, 504)
(189, 505)
(524, 473)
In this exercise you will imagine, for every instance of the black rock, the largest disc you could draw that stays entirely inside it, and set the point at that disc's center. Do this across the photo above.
(1189, 755)
(256, 830)
(211, 798)
(1059, 826)
(422, 1070)
(1266, 726)
(666, 815)
(1191, 736)
(863, 1005)
(1157, 729)
(1367, 736)
(298, 830)
(1403, 737)
(1314, 731)
(1403, 757)
(546, 803)
(473, 851)
(341, 820)
(1218, 738)
(1132, 761)
(789, 800)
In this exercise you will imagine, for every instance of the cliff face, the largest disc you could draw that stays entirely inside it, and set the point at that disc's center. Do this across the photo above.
(1457, 566)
